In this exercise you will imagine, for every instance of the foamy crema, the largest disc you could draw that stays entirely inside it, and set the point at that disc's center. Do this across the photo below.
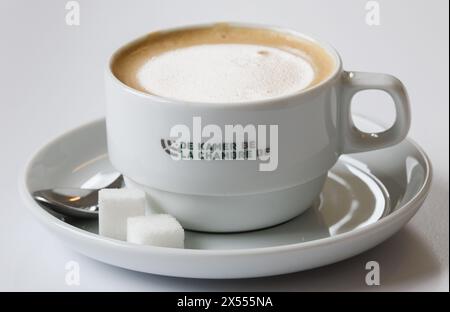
(225, 73)
(222, 64)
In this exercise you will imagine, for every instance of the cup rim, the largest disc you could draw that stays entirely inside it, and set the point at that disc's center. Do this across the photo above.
(261, 102)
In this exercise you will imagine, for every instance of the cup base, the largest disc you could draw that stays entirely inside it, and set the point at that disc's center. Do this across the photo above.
(225, 214)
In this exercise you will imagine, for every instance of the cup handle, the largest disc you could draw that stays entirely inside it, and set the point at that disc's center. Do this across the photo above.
(355, 140)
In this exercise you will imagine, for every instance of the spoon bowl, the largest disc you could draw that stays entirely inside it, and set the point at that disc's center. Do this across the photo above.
(74, 202)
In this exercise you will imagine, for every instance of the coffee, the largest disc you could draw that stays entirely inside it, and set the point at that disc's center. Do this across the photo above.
(222, 63)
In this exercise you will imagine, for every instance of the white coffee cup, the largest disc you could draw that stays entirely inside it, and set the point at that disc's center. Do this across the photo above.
(314, 128)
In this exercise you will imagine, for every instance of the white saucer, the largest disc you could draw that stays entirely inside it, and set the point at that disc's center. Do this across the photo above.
(367, 198)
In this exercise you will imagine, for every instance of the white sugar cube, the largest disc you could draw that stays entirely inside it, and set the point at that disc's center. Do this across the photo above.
(156, 230)
(115, 207)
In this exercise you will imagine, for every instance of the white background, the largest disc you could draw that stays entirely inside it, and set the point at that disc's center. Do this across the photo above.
(51, 79)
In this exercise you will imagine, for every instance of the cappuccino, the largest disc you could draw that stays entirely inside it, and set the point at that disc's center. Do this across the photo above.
(222, 64)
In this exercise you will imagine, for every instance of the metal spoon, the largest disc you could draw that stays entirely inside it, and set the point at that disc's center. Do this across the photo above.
(74, 202)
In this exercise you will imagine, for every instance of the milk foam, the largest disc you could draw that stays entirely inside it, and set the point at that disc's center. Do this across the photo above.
(221, 73)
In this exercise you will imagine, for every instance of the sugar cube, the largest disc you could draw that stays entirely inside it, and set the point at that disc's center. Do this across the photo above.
(115, 207)
(156, 230)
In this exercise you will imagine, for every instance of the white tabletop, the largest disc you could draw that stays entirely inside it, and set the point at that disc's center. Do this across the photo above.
(52, 80)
